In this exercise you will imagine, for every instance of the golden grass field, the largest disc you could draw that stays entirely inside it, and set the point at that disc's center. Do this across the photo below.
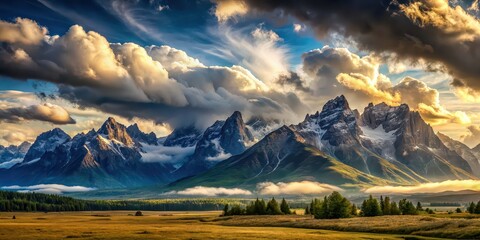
(207, 225)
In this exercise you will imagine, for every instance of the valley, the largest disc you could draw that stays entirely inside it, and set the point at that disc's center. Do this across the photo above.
(207, 225)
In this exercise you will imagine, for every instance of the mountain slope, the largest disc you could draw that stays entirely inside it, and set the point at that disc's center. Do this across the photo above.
(463, 150)
(12, 154)
(414, 143)
(220, 141)
(46, 142)
(108, 158)
(282, 155)
(336, 131)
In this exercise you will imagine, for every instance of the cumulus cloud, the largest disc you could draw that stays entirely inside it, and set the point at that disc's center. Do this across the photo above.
(43, 112)
(48, 188)
(14, 137)
(473, 137)
(157, 83)
(436, 187)
(227, 9)
(298, 27)
(435, 31)
(17, 106)
(162, 153)
(335, 71)
(23, 31)
(210, 191)
(295, 188)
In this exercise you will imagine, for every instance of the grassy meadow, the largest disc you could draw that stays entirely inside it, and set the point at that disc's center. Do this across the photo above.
(208, 225)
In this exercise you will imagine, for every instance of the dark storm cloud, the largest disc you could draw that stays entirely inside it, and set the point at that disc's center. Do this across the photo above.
(437, 31)
(294, 80)
(156, 82)
(43, 112)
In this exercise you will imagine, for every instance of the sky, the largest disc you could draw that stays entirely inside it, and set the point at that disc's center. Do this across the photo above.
(167, 64)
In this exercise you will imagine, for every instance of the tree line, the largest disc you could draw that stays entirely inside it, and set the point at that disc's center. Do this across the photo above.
(474, 208)
(259, 207)
(336, 206)
(30, 202)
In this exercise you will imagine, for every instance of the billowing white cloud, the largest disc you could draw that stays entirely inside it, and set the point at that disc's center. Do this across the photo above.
(436, 187)
(48, 188)
(17, 106)
(295, 188)
(227, 9)
(334, 71)
(42, 112)
(473, 137)
(157, 83)
(210, 191)
(162, 153)
(23, 31)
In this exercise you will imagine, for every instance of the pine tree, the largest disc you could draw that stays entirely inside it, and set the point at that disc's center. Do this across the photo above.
(225, 210)
(419, 206)
(284, 207)
(371, 207)
(332, 206)
(386, 206)
(382, 203)
(407, 207)
(273, 208)
(354, 210)
(471, 208)
(307, 210)
(260, 207)
(477, 208)
(394, 210)
(338, 206)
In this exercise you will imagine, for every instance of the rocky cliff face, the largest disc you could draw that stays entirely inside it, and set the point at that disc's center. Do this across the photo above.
(115, 131)
(383, 145)
(140, 137)
(46, 142)
(105, 158)
(464, 151)
(221, 140)
(183, 137)
(415, 144)
(12, 154)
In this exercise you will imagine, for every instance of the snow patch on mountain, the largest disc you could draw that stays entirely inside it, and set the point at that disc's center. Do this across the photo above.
(11, 163)
(222, 155)
(381, 139)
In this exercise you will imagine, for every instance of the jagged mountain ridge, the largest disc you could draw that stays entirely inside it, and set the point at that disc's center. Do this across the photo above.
(219, 141)
(358, 149)
(12, 154)
(106, 158)
(383, 145)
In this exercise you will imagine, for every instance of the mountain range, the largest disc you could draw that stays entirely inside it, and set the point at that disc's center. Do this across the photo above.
(383, 145)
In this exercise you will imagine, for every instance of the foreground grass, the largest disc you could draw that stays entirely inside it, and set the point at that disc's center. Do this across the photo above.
(440, 225)
(165, 225)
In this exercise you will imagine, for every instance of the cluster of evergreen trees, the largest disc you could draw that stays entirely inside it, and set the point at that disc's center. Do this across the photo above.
(29, 202)
(259, 207)
(332, 206)
(373, 207)
(474, 208)
(337, 206)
